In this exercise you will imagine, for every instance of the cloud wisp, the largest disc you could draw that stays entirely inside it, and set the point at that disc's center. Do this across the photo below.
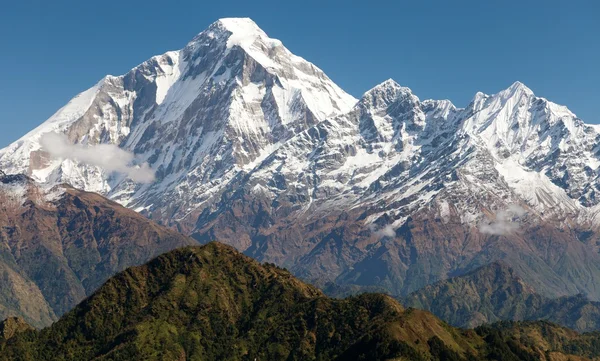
(385, 231)
(106, 156)
(505, 222)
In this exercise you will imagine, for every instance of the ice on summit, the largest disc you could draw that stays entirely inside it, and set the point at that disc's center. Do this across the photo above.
(198, 116)
(236, 104)
(244, 32)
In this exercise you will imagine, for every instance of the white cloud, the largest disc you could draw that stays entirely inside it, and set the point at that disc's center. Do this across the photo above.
(106, 156)
(386, 231)
(506, 221)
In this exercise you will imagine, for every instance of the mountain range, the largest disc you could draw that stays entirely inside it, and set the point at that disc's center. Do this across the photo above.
(213, 303)
(495, 293)
(234, 138)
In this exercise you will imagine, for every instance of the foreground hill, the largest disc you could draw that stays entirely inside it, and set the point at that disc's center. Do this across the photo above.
(58, 246)
(494, 293)
(213, 303)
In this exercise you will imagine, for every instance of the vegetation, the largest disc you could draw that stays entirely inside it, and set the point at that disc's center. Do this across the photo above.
(493, 293)
(212, 303)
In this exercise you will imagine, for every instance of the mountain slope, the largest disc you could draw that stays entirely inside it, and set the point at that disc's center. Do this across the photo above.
(213, 303)
(13, 326)
(256, 147)
(493, 293)
(59, 245)
(197, 116)
(400, 193)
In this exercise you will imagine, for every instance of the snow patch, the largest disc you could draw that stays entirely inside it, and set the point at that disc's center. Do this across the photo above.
(444, 210)
(535, 188)
(169, 77)
(54, 193)
(245, 34)
(13, 194)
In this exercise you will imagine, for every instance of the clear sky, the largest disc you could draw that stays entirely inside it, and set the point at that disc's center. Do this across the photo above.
(52, 50)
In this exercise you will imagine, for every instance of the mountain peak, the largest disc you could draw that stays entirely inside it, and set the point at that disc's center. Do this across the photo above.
(238, 24)
(386, 93)
(389, 84)
(517, 88)
(519, 85)
(243, 32)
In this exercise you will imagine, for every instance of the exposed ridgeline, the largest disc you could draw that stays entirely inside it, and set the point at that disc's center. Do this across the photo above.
(213, 303)
(58, 245)
(494, 293)
(198, 116)
(400, 193)
(256, 147)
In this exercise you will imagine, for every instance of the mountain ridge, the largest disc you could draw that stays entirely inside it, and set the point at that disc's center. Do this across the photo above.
(494, 293)
(212, 303)
(58, 245)
(256, 147)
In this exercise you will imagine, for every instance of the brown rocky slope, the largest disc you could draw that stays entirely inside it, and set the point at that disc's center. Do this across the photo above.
(58, 246)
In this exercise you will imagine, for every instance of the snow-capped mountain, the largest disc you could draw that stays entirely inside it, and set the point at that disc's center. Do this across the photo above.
(401, 193)
(254, 146)
(197, 116)
(393, 149)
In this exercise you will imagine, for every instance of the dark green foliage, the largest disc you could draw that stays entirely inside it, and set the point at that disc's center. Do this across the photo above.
(376, 348)
(212, 303)
(208, 303)
(500, 348)
(587, 345)
(519, 335)
(440, 351)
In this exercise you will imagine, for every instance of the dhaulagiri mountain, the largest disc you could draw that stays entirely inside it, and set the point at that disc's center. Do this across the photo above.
(234, 138)
(213, 303)
(59, 244)
(495, 293)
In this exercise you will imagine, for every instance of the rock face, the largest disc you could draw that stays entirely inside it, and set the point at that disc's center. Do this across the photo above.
(493, 293)
(59, 245)
(13, 326)
(213, 303)
(198, 116)
(400, 193)
(256, 147)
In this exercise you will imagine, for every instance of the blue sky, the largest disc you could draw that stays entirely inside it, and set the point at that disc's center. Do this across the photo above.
(52, 50)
